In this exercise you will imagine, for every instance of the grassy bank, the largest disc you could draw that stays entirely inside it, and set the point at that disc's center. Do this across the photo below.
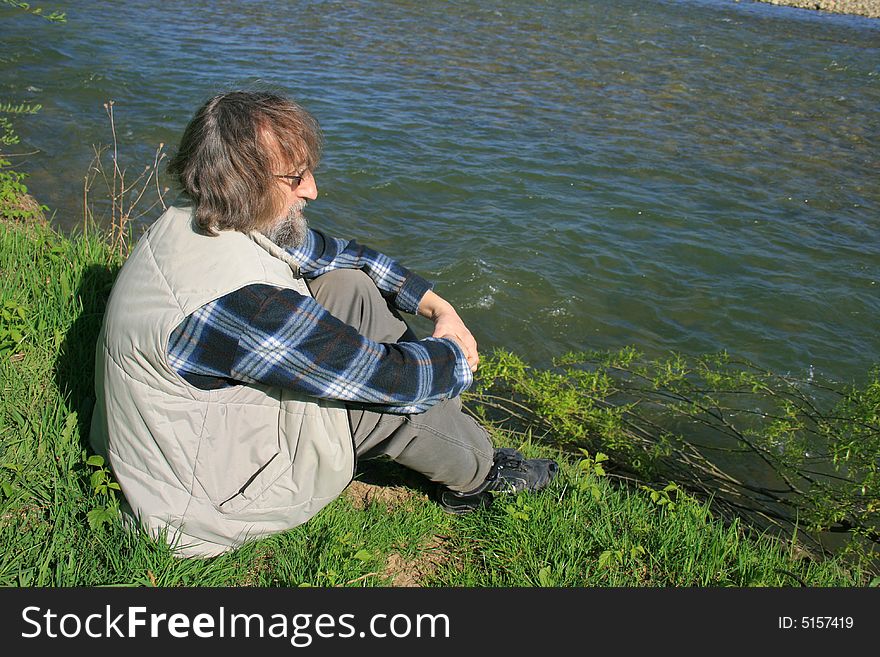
(585, 530)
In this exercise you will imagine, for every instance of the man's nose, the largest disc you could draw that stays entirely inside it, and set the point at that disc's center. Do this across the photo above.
(308, 188)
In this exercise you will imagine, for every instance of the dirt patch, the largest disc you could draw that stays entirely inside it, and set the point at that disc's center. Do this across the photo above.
(260, 565)
(413, 572)
(363, 494)
(432, 553)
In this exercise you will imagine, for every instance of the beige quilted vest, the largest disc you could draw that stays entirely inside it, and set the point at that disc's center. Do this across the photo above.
(211, 468)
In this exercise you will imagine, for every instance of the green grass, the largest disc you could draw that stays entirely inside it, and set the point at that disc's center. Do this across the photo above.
(585, 530)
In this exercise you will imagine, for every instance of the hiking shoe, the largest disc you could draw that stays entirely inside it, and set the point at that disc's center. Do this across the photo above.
(511, 472)
(454, 502)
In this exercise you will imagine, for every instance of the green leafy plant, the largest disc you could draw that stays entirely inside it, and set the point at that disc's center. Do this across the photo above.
(52, 17)
(104, 488)
(660, 420)
(11, 488)
(519, 509)
(8, 136)
(665, 497)
(612, 558)
(13, 326)
(545, 577)
(14, 200)
(591, 467)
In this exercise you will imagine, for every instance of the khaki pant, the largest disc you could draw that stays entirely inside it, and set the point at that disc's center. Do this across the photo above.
(443, 443)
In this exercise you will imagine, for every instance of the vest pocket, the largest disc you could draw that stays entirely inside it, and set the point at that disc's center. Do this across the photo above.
(241, 491)
(237, 488)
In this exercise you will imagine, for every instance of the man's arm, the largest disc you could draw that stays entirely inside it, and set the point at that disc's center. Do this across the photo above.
(278, 337)
(322, 253)
(447, 324)
(409, 291)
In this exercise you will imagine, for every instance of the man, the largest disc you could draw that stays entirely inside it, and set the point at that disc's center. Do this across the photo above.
(246, 361)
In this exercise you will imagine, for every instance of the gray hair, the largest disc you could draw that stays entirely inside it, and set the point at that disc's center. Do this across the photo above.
(228, 152)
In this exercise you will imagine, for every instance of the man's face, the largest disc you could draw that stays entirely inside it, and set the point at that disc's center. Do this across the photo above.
(297, 188)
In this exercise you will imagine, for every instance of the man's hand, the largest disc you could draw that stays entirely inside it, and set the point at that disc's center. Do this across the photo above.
(447, 324)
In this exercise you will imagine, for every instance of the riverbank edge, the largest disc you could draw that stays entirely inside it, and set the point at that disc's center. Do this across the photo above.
(61, 283)
(868, 8)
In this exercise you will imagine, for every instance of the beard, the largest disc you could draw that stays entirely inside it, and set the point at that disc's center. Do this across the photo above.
(291, 230)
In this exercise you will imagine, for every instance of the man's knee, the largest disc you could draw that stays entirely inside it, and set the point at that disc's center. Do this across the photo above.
(352, 297)
(347, 285)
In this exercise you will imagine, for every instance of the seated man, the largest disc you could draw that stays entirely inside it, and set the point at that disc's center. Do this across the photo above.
(246, 361)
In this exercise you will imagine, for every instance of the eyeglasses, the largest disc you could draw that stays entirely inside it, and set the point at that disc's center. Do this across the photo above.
(293, 181)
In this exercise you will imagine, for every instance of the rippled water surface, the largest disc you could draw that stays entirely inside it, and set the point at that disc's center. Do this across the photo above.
(690, 176)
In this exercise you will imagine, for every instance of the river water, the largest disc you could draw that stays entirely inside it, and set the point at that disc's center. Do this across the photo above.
(692, 176)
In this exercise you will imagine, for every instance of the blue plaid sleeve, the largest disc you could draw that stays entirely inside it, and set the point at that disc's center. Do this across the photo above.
(278, 337)
(320, 254)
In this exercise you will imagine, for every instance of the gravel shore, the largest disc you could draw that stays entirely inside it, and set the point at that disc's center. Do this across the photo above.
(870, 8)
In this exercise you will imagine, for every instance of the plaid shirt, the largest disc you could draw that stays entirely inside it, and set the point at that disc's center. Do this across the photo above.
(275, 336)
